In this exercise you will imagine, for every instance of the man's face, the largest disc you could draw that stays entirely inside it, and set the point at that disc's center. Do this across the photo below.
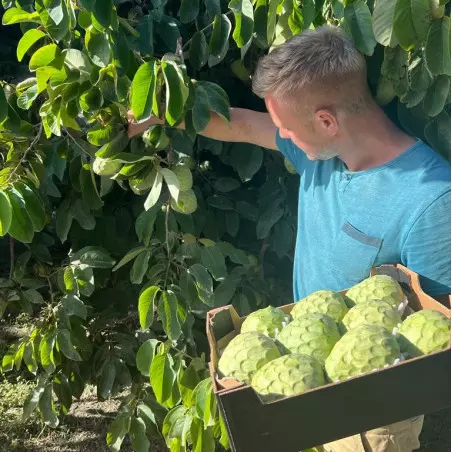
(313, 133)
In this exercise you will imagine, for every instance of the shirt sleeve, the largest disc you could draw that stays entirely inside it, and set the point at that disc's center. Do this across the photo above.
(292, 152)
(427, 247)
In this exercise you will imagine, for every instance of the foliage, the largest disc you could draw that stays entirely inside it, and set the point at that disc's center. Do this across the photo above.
(105, 255)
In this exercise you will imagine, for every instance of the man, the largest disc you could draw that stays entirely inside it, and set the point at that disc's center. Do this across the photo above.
(369, 193)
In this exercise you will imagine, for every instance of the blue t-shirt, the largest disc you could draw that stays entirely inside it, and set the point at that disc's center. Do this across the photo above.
(349, 221)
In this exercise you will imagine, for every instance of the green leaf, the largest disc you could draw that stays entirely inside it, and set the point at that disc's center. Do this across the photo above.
(90, 193)
(437, 95)
(219, 39)
(46, 351)
(144, 225)
(224, 439)
(91, 99)
(173, 422)
(237, 256)
(146, 413)
(213, 8)
(82, 215)
(29, 38)
(74, 306)
(96, 257)
(437, 48)
(33, 204)
(162, 377)
(118, 430)
(225, 291)
(226, 184)
(246, 159)
(167, 312)
(199, 52)
(45, 56)
(204, 402)
(33, 296)
(359, 21)
(204, 284)
(411, 22)
(63, 219)
(201, 109)
(419, 75)
(382, 22)
(107, 378)
(6, 213)
(65, 345)
(140, 267)
(213, 260)
(244, 21)
(3, 105)
(189, 10)
(98, 47)
(129, 256)
(21, 227)
(137, 434)
(143, 88)
(155, 191)
(103, 11)
(32, 400)
(271, 19)
(218, 99)
(8, 358)
(30, 358)
(437, 133)
(176, 91)
(115, 146)
(18, 15)
(62, 389)
(268, 219)
(146, 30)
(145, 355)
(172, 182)
(47, 407)
(203, 440)
(146, 306)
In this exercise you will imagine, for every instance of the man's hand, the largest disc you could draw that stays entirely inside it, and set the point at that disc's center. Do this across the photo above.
(245, 126)
(135, 128)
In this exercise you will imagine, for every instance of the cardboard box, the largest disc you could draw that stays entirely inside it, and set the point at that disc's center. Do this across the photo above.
(413, 387)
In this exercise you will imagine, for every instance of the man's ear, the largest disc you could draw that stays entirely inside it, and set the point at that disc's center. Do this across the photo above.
(327, 122)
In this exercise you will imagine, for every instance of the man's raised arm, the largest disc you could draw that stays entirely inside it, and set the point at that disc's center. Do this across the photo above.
(246, 126)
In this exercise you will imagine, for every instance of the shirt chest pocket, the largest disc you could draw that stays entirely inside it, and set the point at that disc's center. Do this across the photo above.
(354, 253)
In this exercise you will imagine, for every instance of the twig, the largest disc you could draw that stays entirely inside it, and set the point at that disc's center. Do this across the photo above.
(11, 253)
(24, 156)
(75, 142)
(167, 241)
(204, 29)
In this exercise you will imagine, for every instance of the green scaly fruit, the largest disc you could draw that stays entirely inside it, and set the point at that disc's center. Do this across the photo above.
(287, 376)
(246, 354)
(378, 287)
(362, 350)
(321, 302)
(374, 312)
(269, 321)
(424, 332)
(184, 177)
(186, 203)
(106, 167)
(311, 334)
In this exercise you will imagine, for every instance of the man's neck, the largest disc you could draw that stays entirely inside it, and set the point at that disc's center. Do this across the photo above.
(372, 140)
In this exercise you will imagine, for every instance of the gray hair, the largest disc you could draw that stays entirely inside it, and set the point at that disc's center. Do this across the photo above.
(322, 60)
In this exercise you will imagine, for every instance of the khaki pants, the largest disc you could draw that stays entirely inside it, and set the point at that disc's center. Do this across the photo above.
(399, 437)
